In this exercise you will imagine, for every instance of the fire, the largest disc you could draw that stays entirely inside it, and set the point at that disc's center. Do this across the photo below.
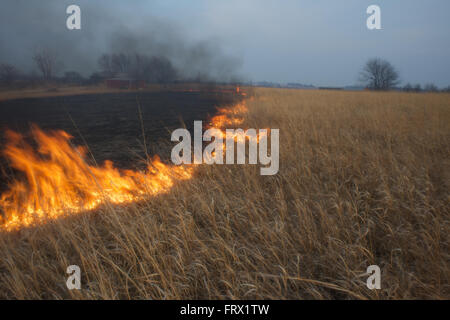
(233, 117)
(226, 117)
(58, 181)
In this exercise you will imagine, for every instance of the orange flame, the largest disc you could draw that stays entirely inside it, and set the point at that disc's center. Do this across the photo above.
(59, 182)
(233, 117)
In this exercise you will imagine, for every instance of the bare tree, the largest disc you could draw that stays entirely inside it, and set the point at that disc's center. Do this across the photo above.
(121, 63)
(73, 77)
(8, 74)
(417, 88)
(379, 74)
(105, 65)
(160, 70)
(46, 61)
(154, 69)
(431, 87)
(139, 66)
(408, 87)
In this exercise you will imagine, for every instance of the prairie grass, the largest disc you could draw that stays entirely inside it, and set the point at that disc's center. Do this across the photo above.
(364, 179)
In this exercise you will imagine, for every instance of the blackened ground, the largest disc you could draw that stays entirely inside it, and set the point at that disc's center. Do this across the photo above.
(110, 124)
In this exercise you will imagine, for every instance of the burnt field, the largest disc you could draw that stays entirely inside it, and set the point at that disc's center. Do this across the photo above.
(110, 124)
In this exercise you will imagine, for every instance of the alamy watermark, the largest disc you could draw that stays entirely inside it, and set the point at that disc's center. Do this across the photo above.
(74, 279)
(73, 21)
(374, 280)
(231, 142)
(374, 20)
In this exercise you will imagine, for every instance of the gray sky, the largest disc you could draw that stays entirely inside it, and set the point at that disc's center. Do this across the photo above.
(322, 42)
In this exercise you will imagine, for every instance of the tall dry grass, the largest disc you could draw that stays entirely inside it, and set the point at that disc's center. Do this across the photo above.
(364, 179)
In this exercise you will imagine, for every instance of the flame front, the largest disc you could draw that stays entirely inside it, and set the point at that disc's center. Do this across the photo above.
(58, 181)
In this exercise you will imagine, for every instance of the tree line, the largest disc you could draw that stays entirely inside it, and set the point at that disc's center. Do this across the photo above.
(377, 74)
(380, 75)
(152, 69)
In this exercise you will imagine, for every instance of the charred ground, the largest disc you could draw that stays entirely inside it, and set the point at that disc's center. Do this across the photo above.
(110, 124)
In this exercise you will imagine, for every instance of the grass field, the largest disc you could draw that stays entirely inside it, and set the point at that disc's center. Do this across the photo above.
(364, 179)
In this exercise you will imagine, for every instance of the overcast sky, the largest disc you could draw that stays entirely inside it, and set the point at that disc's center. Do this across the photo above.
(320, 42)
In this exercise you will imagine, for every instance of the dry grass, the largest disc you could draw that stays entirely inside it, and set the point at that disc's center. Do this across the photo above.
(364, 179)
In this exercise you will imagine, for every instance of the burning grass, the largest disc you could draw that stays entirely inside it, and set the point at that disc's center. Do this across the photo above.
(59, 182)
(364, 179)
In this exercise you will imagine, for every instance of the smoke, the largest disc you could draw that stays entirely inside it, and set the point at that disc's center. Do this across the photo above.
(107, 27)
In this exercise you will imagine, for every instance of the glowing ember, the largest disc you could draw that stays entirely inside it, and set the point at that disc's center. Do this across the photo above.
(59, 182)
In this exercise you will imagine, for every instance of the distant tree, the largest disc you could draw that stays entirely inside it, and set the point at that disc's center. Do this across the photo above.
(430, 87)
(8, 74)
(408, 88)
(151, 69)
(96, 78)
(105, 65)
(379, 74)
(140, 66)
(417, 88)
(160, 70)
(121, 63)
(47, 62)
(446, 89)
(73, 77)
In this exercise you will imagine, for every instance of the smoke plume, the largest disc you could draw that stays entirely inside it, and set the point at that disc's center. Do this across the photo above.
(111, 27)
